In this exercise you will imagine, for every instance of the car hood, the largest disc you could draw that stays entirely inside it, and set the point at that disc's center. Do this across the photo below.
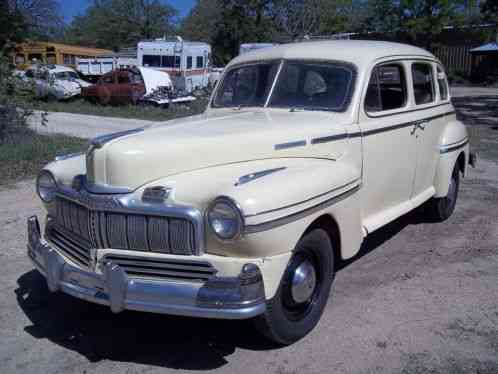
(210, 139)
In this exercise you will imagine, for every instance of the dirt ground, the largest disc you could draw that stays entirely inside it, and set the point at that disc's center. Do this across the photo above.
(420, 298)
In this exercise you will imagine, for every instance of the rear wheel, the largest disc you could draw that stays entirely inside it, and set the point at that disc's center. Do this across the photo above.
(304, 289)
(440, 209)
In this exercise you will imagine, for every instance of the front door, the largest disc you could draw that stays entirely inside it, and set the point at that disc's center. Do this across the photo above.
(389, 145)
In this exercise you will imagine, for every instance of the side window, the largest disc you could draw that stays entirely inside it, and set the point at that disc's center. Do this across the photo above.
(152, 60)
(123, 78)
(107, 79)
(189, 62)
(386, 89)
(423, 83)
(442, 83)
(200, 62)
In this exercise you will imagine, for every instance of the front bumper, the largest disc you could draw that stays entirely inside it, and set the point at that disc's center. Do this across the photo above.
(239, 297)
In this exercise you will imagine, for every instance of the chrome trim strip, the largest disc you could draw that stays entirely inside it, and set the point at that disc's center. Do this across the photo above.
(259, 174)
(100, 141)
(297, 143)
(454, 146)
(67, 156)
(327, 139)
(305, 201)
(265, 226)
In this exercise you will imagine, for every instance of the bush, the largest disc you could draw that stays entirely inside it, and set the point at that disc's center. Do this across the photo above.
(13, 116)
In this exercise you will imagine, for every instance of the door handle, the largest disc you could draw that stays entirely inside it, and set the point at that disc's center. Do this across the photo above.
(419, 125)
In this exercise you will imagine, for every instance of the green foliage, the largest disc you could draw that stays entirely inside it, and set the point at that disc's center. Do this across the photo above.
(29, 154)
(121, 23)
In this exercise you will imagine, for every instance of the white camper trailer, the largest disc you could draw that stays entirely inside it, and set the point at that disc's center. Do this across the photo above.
(186, 62)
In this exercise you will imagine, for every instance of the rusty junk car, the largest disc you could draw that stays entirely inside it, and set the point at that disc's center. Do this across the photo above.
(133, 86)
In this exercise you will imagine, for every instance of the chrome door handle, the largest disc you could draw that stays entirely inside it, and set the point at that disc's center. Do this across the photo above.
(419, 125)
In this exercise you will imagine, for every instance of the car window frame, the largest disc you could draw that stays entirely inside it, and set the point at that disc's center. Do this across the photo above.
(448, 94)
(436, 100)
(409, 92)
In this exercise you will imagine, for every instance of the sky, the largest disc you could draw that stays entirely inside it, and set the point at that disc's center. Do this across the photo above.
(71, 8)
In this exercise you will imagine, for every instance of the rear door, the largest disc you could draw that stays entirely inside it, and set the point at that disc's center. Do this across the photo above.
(431, 104)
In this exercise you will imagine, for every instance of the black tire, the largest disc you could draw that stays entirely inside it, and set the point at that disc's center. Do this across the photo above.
(285, 320)
(440, 209)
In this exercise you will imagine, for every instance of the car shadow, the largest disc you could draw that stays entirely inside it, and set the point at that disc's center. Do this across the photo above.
(151, 339)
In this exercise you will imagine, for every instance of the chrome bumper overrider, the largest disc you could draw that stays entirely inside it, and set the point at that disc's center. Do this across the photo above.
(226, 298)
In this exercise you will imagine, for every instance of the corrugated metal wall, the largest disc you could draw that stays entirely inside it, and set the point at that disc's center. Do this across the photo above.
(456, 57)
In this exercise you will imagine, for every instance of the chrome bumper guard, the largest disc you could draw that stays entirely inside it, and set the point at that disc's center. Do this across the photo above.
(239, 297)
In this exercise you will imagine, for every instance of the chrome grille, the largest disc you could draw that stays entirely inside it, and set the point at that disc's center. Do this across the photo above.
(158, 268)
(111, 229)
(73, 246)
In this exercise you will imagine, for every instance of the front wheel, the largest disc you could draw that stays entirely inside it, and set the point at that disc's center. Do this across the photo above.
(440, 209)
(304, 289)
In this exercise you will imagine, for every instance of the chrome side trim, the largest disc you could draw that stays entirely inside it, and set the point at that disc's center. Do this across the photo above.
(265, 226)
(297, 143)
(453, 146)
(354, 183)
(259, 174)
(330, 138)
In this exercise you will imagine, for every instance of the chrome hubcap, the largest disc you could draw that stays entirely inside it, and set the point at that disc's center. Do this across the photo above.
(303, 282)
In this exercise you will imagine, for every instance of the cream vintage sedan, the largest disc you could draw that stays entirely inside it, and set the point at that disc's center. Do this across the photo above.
(246, 210)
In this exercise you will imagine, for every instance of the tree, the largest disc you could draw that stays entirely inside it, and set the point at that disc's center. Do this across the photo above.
(489, 10)
(423, 20)
(297, 18)
(383, 17)
(41, 18)
(202, 21)
(121, 23)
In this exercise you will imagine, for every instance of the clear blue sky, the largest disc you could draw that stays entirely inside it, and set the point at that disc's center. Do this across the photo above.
(71, 8)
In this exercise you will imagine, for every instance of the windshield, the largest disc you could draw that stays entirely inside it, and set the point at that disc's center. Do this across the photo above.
(247, 85)
(305, 85)
(66, 75)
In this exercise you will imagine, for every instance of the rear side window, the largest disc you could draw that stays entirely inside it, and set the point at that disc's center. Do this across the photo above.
(386, 89)
(442, 83)
(200, 61)
(423, 83)
(189, 62)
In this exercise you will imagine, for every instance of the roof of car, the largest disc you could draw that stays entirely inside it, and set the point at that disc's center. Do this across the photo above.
(358, 52)
(51, 68)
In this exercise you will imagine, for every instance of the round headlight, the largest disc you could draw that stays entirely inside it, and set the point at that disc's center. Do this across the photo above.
(225, 218)
(46, 186)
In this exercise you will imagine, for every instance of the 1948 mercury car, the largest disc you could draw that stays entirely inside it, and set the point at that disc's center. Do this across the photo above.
(245, 210)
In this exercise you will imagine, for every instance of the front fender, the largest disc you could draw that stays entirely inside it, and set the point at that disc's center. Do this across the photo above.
(296, 185)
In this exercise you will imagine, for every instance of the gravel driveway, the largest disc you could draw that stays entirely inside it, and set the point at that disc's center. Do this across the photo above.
(420, 298)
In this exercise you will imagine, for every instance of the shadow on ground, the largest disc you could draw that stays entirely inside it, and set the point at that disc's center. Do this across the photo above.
(479, 110)
(151, 339)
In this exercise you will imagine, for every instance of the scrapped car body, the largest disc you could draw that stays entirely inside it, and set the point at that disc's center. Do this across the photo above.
(54, 81)
(134, 85)
(246, 210)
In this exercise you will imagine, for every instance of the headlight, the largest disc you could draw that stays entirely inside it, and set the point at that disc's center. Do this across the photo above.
(46, 186)
(225, 218)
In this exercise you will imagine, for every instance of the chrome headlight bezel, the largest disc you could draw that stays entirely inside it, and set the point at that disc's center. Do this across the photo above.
(229, 205)
(46, 186)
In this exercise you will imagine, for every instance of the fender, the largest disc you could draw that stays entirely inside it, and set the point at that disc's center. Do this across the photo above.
(279, 199)
(453, 142)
